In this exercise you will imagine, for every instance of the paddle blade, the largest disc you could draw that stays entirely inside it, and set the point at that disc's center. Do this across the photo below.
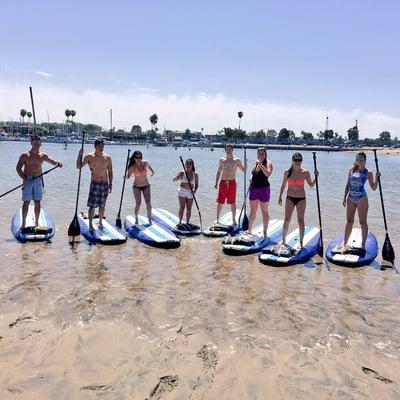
(245, 225)
(388, 251)
(74, 228)
(118, 222)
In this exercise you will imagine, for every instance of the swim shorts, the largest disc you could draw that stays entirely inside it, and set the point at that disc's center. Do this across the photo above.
(32, 190)
(263, 194)
(186, 193)
(98, 193)
(227, 192)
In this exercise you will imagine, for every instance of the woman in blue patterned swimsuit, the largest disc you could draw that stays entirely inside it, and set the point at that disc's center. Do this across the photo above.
(355, 196)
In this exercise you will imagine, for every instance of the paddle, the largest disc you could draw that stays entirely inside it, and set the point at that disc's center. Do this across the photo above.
(321, 243)
(387, 249)
(191, 189)
(245, 224)
(118, 222)
(38, 176)
(74, 229)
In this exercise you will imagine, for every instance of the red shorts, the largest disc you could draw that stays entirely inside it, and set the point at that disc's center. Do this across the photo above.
(227, 191)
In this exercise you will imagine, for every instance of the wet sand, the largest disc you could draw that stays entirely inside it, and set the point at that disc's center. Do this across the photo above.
(132, 322)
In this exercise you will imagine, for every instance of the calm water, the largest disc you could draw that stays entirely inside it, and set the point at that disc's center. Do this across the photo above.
(137, 322)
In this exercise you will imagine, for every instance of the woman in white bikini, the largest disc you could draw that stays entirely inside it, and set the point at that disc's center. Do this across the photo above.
(186, 189)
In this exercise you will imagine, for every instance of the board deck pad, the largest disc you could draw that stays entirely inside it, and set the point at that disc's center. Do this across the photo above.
(243, 243)
(170, 222)
(109, 234)
(45, 231)
(271, 254)
(154, 235)
(353, 259)
(225, 226)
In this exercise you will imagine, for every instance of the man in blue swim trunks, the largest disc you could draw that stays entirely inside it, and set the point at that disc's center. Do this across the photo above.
(28, 167)
(101, 181)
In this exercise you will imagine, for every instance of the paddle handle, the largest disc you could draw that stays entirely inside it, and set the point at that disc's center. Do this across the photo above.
(317, 190)
(33, 109)
(380, 192)
(80, 174)
(191, 189)
(244, 177)
(123, 184)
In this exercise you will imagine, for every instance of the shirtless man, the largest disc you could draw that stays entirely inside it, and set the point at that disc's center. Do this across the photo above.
(30, 165)
(101, 181)
(227, 185)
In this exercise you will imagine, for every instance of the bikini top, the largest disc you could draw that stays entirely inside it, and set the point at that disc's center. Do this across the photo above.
(140, 171)
(296, 181)
(185, 180)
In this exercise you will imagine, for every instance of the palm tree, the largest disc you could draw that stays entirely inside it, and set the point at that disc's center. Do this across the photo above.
(67, 114)
(240, 115)
(29, 115)
(153, 120)
(22, 113)
(72, 113)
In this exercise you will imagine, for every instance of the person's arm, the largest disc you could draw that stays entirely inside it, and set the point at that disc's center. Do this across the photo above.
(267, 170)
(48, 159)
(79, 162)
(219, 171)
(128, 173)
(110, 174)
(242, 166)
(151, 169)
(196, 182)
(178, 177)
(373, 183)
(20, 164)
(284, 181)
(310, 181)
(346, 190)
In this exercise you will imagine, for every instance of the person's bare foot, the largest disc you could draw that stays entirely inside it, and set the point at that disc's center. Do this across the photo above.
(91, 228)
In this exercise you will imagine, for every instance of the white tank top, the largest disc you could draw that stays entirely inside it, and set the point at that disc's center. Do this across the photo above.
(184, 179)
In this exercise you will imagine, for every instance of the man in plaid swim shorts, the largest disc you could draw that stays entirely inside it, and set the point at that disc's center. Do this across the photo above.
(101, 182)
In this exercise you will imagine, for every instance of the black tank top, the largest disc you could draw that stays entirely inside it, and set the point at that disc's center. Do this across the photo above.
(259, 180)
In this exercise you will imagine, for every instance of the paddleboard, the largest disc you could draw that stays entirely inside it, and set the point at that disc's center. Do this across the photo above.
(272, 255)
(109, 234)
(225, 226)
(354, 259)
(171, 222)
(45, 231)
(243, 243)
(154, 235)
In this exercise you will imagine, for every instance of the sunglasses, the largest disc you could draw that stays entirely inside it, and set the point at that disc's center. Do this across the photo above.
(297, 160)
(138, 158)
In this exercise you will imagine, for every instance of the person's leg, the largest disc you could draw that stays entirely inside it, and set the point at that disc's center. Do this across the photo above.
(362, 216)
(182, 202)
(25, 208)
(301, 209)
(101, 216)
(37, 212)
(219, 209)
(90, 215)
(147, 199)
(289, 207)
(138, 200)
(265, 216)
(253, 214)
(350, 211)
(233, 210)
(189, 203)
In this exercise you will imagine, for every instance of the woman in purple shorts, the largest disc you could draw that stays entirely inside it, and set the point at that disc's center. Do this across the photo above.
(259, 189)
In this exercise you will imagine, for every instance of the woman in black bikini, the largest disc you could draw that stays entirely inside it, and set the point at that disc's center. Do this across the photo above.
(295, 177)
(138, 167)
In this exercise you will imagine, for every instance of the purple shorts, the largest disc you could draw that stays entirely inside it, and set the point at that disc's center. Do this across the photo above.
(263, 194)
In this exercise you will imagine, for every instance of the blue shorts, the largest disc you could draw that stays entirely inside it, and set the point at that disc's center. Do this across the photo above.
(98, 194)
(32, 190)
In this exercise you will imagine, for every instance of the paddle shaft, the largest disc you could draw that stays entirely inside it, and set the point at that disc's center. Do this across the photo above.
(191, 189)
(244, 178)
(123, 185)
(38, 176)
(79, 178)
(380, 191)
(318, 202)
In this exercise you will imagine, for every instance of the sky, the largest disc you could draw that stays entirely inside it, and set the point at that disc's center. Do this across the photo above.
(196, 64)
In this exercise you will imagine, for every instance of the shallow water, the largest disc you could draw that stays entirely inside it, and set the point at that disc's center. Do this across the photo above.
(133, 322)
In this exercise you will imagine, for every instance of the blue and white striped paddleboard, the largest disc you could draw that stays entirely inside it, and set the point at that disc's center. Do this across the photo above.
(45, 231)
(271, 256)
(170, 222)
(225, 226)
(109, 234)
(154, 235)
(243, 243)
(353, 260)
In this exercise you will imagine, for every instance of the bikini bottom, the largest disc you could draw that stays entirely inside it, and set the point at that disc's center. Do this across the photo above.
(295, 200)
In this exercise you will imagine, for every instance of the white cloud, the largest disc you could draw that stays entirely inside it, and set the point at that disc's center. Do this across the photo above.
(194, 111)
(44, 74)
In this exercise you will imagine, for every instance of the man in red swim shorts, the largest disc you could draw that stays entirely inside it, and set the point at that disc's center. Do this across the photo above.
(227, 185)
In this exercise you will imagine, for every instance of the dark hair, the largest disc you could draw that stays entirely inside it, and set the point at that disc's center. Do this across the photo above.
(34, 137)
(192, 162)
(98, 141)
(295, 155)
(265, 152)
(228, 145)
(132, 159)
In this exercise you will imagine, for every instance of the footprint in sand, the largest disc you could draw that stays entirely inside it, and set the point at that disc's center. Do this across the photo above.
(381, 378)
(165, 384)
